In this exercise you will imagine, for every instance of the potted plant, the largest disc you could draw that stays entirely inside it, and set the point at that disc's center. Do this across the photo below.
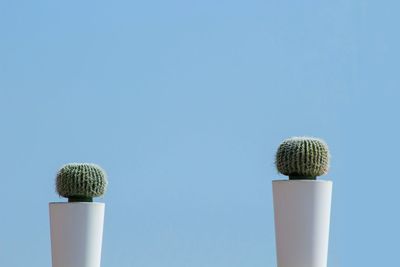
(302, 204)
(77, 225)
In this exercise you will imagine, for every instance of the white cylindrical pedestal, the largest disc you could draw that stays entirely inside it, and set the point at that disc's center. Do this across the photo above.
(302, 216)
(76, 233)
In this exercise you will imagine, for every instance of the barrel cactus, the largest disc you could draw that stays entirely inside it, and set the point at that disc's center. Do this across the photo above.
(81, 182)
(302, 158)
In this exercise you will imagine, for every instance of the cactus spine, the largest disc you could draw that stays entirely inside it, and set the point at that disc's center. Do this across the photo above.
(302, 158)
(81, 182)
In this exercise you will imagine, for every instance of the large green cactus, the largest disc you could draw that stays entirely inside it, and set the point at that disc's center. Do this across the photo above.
(81, 182)
(302, 158)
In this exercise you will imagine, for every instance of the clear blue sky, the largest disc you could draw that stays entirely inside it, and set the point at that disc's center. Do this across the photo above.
(184, 103)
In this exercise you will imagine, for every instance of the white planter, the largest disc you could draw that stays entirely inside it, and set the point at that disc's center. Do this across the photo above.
(76, 233)
(302, 215)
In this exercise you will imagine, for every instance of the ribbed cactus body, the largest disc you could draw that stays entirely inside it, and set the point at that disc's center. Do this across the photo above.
(302, 157)
(81, 181)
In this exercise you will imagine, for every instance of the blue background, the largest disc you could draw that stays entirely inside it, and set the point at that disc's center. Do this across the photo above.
(184, 104)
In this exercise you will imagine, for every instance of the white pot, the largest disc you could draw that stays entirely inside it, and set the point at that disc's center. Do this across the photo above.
(76, 233)
(302, 215)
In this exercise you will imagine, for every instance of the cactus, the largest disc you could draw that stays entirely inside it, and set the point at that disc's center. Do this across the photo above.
(81, 182)
(302, 158)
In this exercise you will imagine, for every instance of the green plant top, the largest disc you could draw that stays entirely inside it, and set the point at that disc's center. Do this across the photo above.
(81, 182)
(302, 158)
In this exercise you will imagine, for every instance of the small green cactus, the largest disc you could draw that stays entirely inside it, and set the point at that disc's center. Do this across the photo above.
(302, 158)
(81, 182)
